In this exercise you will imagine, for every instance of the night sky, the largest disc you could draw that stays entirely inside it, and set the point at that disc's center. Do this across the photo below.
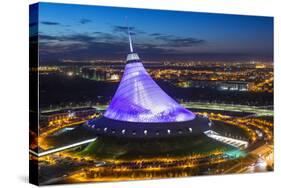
(79, 32)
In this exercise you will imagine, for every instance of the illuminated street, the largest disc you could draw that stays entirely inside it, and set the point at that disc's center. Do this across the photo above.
(157, 97)
(94, 170)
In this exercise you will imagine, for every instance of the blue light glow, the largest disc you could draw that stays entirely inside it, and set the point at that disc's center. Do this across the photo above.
(139, 99)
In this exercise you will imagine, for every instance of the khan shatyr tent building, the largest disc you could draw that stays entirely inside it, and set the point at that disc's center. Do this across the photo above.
(140, 108)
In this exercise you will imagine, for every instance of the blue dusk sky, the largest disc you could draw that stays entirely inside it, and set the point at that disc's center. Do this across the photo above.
(81, 32)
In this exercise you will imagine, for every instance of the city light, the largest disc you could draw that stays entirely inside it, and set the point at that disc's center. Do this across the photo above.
(179, 112)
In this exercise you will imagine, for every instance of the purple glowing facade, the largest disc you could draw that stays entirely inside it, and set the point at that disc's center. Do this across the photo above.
(141, 109)
(139, 99)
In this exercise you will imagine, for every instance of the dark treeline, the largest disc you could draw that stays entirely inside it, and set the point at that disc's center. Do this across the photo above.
(60, 90)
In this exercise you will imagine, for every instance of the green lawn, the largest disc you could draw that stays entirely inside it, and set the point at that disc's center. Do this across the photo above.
(121, 148)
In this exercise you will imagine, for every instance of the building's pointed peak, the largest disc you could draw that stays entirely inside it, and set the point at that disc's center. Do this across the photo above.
(129, 36)
(132, 56)
(130, 40)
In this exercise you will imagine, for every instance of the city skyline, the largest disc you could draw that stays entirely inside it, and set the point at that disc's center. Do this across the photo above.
(202, 104)
(89, 33)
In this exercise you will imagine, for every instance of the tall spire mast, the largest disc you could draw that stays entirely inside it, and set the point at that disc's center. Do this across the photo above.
(129, 34)
(130, 40)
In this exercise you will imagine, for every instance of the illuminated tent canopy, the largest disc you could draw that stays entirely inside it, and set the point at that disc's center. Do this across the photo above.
(139, 99)
(141, 109)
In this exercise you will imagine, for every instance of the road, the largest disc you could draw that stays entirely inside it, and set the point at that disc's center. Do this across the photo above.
(249, 163)
(51, 151)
